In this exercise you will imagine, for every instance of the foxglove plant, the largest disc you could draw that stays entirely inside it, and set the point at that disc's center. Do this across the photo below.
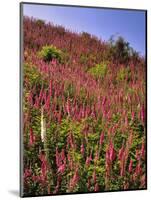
(86, 129)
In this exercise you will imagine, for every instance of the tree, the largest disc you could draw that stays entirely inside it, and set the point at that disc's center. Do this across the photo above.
(119, 50)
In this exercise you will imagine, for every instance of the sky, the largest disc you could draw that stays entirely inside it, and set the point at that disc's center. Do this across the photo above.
(101, 22)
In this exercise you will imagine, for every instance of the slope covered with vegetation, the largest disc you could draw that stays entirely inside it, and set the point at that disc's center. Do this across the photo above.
(84, 112)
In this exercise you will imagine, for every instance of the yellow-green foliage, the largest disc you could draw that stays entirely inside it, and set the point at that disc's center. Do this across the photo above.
(48, 53)
(33, 76)
(124, 73)
(99, 71)
(40, 22)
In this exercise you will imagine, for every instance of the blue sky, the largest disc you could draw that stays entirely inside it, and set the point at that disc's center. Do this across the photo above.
(100, 22)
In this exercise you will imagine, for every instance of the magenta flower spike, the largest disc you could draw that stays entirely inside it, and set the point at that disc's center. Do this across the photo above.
(32, 137)
(130, 166)
(101, 138)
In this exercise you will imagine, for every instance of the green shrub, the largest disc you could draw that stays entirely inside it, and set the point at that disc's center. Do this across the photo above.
(119, 50)
(123, 74)
(84, 59)
(65, 58)
(86, 36)
(34, 77)
(50, 52)
(99, 71)
(40, 22)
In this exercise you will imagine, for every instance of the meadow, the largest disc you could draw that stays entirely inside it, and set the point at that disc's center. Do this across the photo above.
(84, 112)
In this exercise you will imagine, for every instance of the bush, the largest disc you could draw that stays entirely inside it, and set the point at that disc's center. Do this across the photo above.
(119, 50)
(50, 52)
(86, 35)
(84, 59)
(40, 22)
(34, 77)
(99, 71)
(124, 74)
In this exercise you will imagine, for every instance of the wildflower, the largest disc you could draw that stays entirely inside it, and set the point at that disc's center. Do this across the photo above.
(138, 169)
(43, 126)
(137, 155)
(88, 160)
(130, 166)
(30, 98)
(32, 137)
(94, 176)
(104, 101)
(143, 150)
(111, 152)
(82, 149)
(36, 178)
(142, 113)
(101, 138)
(27, 173)
(61, 169)
(44, 165)
(47, 103)
(133, 115)
(96, 156)
(143, 181)
(74, 179)
(96, 187)
(41, 94)
(89, 183)
(50, 88)
(63, 155)
(68, 107)
(121, 152)
(59, 179)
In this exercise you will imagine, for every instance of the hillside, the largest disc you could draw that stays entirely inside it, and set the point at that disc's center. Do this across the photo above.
(84, 112)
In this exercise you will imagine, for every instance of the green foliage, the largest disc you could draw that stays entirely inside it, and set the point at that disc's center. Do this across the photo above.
(99, 71)
(84, 59)
(69, 90)
(69, 126)
(50, 52)
(34, 77)
(65, 57)
(40, 22)
(75, 139)
(76, 156)
(124, 73)
(119, 50)
(82, 94)
(86, 36)
(135, 56)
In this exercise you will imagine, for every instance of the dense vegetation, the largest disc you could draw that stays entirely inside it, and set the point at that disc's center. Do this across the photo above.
(84, 112)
